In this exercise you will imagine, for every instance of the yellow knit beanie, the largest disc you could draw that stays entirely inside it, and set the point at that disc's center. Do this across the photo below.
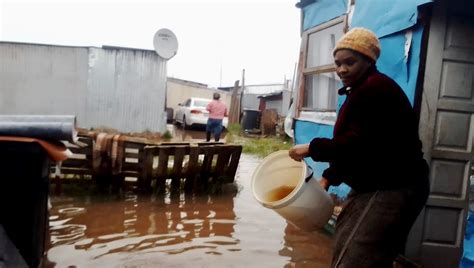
(361, 40)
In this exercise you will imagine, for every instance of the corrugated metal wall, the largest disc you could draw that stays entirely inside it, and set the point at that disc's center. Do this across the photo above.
(274, 104)
(39, 79)
(123, 89)
(126, 90)
(251, 101)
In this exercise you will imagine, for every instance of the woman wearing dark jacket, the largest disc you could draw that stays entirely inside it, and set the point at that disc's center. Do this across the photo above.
(375, 150)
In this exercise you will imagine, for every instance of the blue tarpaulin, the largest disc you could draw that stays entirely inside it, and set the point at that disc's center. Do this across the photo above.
(322, 11)
(393, 62)
(400, 49)
(385, 17)
(467, 260)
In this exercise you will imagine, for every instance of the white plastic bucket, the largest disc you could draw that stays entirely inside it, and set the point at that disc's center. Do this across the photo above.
(308, 206)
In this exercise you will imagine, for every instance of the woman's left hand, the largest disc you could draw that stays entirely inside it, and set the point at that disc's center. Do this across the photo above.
(300, 151)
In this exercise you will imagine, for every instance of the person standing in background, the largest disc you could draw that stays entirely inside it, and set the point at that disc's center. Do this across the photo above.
(217, 111)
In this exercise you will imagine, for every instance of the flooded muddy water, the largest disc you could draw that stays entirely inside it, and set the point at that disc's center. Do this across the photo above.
(229, 229)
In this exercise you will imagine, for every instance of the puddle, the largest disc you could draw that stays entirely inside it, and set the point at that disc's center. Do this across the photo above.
(178, 230)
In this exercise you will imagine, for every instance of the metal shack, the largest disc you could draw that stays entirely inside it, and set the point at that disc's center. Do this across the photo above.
(108, 87)
(428, 48)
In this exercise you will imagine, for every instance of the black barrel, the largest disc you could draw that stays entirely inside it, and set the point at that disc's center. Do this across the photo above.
(24, 187)
(169, 115)
(250, 119)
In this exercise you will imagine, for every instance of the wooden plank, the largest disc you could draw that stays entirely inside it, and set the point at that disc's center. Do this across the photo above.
(234, 111)
(178, 161)
(191, 171)
(82, 180)
(133, 145)
(84, 163)
(269, 121)
(206, 168)
(79, 171)
(210, 143)
(320, 69)
(224, 153)
(83, 150)
(234, 162)
(130, 173)
(175, 143)
(178, 166)
(154, 150)
(131, 155)
(162, 170)
(85, 140)
(131, 166)
(144, 181)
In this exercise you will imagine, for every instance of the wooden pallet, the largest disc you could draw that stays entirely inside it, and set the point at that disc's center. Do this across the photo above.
(145, 164)
(196, 163)
(80, 164)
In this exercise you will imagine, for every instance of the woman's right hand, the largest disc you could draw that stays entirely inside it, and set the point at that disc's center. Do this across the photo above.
(300, 151)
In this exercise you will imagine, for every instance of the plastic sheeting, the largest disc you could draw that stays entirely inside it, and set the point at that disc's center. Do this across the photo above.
(400, 67)
(386, 17)
(322, 11)
(467, 260)
(394, 22)
(60, 128)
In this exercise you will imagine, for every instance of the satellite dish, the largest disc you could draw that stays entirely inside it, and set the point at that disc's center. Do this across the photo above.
(165, 43)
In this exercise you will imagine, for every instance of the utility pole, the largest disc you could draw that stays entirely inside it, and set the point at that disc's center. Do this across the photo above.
(234, 105)
(242, 93)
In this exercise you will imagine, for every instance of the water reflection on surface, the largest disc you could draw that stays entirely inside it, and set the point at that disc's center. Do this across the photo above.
(176, 230)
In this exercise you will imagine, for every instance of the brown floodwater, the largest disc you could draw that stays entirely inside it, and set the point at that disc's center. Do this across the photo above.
(229, 229)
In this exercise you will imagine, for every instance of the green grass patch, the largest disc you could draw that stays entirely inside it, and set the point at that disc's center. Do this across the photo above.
(260, 146)
(264, 146)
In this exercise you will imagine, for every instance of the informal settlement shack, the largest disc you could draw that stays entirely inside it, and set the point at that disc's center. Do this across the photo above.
(427, 47)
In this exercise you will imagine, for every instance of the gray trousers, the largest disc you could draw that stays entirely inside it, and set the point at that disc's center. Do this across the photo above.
(373, 227)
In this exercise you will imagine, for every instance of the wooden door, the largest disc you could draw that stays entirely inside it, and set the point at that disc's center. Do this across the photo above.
(446, 129)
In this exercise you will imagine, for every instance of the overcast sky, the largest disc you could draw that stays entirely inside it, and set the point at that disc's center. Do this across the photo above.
(217, 39)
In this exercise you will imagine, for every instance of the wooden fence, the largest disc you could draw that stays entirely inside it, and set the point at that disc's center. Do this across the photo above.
(151, 165)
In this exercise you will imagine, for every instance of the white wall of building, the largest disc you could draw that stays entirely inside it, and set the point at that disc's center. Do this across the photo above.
(178, 91)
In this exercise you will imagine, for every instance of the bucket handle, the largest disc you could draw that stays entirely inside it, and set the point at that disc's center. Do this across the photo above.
(310, 175)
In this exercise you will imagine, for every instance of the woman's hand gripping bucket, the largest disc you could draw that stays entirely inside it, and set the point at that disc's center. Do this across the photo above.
(288, 187)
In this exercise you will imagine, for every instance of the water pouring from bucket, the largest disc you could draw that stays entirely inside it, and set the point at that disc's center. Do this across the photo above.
(288, 187)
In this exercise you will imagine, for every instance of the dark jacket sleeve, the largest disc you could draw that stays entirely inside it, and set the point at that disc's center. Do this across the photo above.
(337, 148)
(331, 174)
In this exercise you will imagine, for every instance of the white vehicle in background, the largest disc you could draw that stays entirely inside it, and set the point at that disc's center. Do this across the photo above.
(193, 112)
